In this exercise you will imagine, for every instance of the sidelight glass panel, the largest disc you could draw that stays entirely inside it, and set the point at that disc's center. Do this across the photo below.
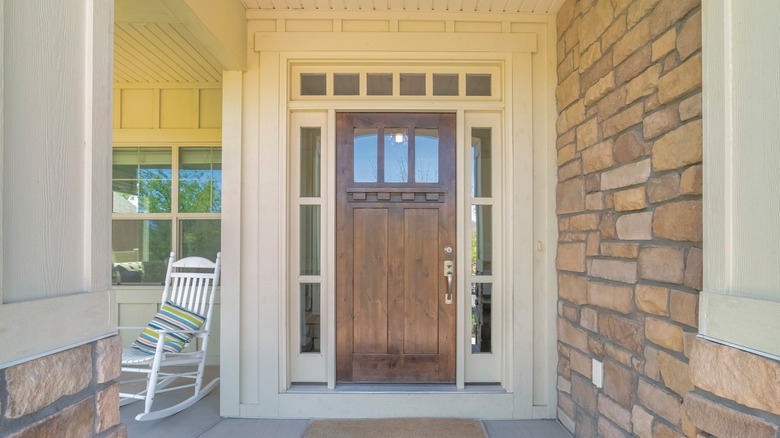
(412, 84)
(346, 84)
(310, 240)
(445, 84)
(199, 237)
(426, 155)
(365, 155)
(140, 250)
(141, 180)
(481, 240)
(477, 84)
(200, 180)
(396, 155)
(481, 309)
(310, 318)
(481, 163)
(310, 162)
(379, 84)
(313, 84)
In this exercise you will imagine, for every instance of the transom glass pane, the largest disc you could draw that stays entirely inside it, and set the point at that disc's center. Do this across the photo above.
(200, 180)
(140, 250)
(365, 155)
(477, 84)
(445, 84)
(199, 237)
(412, 84)
(426, 155)
(396, 155)
(310, 318)
(379, 84)
(481, 240)
(481, 312)
(141, 180)
(346, 84)
(310, 240)
(313, 84)
(311, 140)
(481, 163)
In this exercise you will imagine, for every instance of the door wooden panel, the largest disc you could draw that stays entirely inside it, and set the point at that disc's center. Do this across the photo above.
(392, 321)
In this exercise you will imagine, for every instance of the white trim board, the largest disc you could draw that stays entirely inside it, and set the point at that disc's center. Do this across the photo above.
(726, 317)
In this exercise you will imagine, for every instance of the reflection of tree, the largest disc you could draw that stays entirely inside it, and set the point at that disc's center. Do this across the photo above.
(201, 238)
(154, 191)
(199, 196)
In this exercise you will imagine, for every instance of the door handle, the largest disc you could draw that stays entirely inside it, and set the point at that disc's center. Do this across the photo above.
(449, 272)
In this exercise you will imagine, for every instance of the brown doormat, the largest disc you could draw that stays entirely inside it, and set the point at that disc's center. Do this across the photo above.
(396, 427)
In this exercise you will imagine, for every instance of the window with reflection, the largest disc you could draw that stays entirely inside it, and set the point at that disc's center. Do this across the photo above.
(365, 155)
(481, 239)
(426, 155)
(396, 150)
(310, 317)
(311, 139)
(481, 163)
(481, 310)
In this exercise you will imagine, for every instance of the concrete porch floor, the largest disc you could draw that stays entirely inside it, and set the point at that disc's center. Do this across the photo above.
(202, 420)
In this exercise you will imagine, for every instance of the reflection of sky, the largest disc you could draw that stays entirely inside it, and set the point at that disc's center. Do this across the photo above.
(365, 157)
(426, 158)
(396, 156)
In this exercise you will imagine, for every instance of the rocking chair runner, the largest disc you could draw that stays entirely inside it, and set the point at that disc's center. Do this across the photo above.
(188, 297)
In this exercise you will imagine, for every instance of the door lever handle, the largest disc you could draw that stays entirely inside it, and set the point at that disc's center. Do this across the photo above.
(449, 272)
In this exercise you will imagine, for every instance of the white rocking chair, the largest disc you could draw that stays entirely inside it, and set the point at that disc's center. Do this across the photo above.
(190, 286)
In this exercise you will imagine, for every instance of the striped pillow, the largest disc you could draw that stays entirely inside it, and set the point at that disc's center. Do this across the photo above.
(170, 317)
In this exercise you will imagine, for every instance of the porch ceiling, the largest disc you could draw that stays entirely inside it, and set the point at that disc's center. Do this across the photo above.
(498, 6)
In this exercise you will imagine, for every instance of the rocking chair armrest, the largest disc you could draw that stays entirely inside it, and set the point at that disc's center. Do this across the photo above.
(166, 331)
(130, 328)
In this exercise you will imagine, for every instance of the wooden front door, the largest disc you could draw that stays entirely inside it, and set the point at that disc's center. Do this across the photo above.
(395, 229)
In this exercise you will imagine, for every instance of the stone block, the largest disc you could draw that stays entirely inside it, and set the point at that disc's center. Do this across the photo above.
(568, 90)
(652, 299)
(571, 117)
(635, 64)
(571, 257)
(566, 404)
(684, 308)
(565, 15)
(592, 246)
(615, 270)
(663, 45)
(582, 222)
(594, 201)
(600, 89)
(624, 331)
(642, 422)
(651, 369)
(609, 430)
(626, 175)
(108, 364)
(612, 410)
(570, 196)
(635, 38)
(589, 319)
(40, 382)
(675, 373)
(612, 103)
(568, 137)
(681, 80)
(678, 148)
(691, 181)
(619, 353)
(638, 9)
(119, 431)
(581, 364)
(571, 36)
(569, 334)
(631, 199)
(723, 421)
(592, 182)
(689, 39)
(694, 269)
(690, 107)
(661, 430)
(636, 226)
(614, 32)
(643, 85)
(607, 226)
(598, 70)
(669, 12)
(570, 170)
(72, 421)
(623, 120)
(660, 122)
(628, 147)
(566, 153)
(568, 311)
(584, 394)
(573, 288)
(659, 401)
(680, 221)
(586, 425)
(595, 22)
(618, 383)
(564, 385)
(598, 157)
(664, 333)
(620, 250)
(590, 56)
(107, 408)
(746, 378)
(587, 134)
(567, 422)
(607, 296)
(566, 67)
(664, 188)
(662, 263)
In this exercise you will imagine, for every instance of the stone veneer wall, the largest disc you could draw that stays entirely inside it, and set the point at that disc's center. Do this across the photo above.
(72, 393)
(629, 257)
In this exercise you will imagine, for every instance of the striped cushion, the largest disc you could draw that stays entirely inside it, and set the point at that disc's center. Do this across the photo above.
(170, 317)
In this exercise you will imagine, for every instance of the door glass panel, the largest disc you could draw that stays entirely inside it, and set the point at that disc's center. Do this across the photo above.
(481, 162)
(200, 180)
(310, 318)
(379, 84)
(140, 250)
(412, 84)
(310, 240)
(199, 237)
(396, 155)
(481, 303)
(346, 84)
(310, 162)
(426, 155)
(477, 85)
(445, 84)
(142, 180)
(365, 155)
(481, 240)
(313, 84)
